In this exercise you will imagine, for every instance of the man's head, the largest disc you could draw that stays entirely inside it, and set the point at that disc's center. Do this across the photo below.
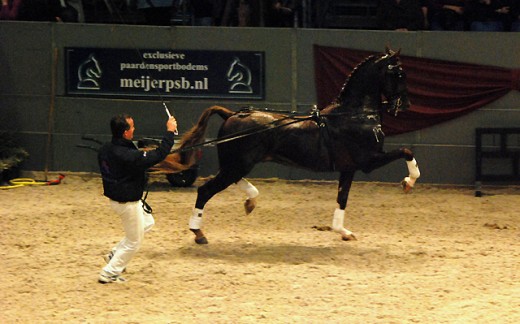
(122, 126)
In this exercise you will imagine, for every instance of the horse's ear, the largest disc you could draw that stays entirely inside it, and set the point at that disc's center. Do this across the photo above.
(391, 52)
(394, 53)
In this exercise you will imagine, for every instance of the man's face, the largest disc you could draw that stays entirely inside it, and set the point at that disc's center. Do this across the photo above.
(129, 133)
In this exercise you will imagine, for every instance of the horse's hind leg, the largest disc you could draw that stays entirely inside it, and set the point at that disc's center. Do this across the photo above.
(251, 193)
(204, 193)
(413, 173)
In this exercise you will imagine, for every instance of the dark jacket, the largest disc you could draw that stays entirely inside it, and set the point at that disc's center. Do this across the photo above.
(123, 167)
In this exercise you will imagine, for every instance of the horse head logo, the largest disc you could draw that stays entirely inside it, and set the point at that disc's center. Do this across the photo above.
(240, 77)
(89, 74)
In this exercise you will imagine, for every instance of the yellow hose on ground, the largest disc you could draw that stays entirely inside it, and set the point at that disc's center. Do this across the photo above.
(26, 182)
(21, 182)
(9, 186)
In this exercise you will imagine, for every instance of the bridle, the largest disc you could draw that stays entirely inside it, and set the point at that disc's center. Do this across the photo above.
(394, 102)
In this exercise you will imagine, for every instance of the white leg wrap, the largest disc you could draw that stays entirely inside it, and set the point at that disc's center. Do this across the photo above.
(413, 169)
(337, 222)
(248, 188)
(410, 181)
(196, 219)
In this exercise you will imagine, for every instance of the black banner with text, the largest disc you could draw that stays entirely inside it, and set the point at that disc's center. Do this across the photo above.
(102, 72)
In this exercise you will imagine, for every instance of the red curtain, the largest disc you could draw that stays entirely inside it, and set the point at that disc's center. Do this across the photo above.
(439, 90)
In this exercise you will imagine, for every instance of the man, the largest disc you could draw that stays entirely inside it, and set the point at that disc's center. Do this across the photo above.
(400, 15)
(156, 12)
(9, 9)
(123, 169)
(281, 13)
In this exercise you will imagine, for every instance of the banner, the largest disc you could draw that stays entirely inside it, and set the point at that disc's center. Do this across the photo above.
(438, 90)
(103, 72)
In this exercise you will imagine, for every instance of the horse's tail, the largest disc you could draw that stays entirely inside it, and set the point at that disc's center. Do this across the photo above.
(195, 135)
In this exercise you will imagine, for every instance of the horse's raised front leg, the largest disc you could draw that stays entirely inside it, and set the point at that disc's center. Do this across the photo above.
(251, 193)
(345, 182)
(381, 159)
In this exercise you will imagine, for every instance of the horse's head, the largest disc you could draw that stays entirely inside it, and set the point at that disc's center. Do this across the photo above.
(376, 77)
(394, 87)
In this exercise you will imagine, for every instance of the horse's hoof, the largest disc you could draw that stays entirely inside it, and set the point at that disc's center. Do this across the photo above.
(201, 240)
(250, 205)
(199, 236)
(406, 187)
(350, 237)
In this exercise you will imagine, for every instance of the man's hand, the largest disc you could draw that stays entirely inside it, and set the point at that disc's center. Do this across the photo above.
(171, 125)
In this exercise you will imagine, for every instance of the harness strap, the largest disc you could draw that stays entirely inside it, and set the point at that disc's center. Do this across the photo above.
(147, 208)
(245, 133)
(321, 121)
(378, 131)
(315, 115)
(250, 109)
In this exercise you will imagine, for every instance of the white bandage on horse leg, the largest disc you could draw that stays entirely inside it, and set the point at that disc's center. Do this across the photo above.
(337, 222)
(248, 188)
(413, 169)
(196, 219)
(409, 181)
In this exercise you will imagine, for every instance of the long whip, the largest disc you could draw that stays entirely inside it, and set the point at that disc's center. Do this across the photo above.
(110, 3)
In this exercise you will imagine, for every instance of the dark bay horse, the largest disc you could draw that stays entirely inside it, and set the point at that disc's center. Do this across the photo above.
(345, 136)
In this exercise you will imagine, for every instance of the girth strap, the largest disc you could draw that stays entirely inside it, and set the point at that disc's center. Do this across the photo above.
(321, 121)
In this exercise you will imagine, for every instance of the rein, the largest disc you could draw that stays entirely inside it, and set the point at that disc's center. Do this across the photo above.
(244, 133)
(315, 115)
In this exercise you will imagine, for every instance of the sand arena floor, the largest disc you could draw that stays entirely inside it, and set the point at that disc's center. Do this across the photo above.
(438, 255)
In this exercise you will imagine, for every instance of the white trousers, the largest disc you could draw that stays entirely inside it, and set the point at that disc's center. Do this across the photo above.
(136, 222)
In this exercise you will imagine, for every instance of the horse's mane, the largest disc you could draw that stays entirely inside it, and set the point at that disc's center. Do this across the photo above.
(368, 59)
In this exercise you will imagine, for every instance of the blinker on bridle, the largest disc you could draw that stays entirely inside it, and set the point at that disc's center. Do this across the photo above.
(395, 101)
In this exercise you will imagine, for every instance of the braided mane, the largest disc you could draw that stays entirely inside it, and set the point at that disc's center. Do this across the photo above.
(367, 60)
